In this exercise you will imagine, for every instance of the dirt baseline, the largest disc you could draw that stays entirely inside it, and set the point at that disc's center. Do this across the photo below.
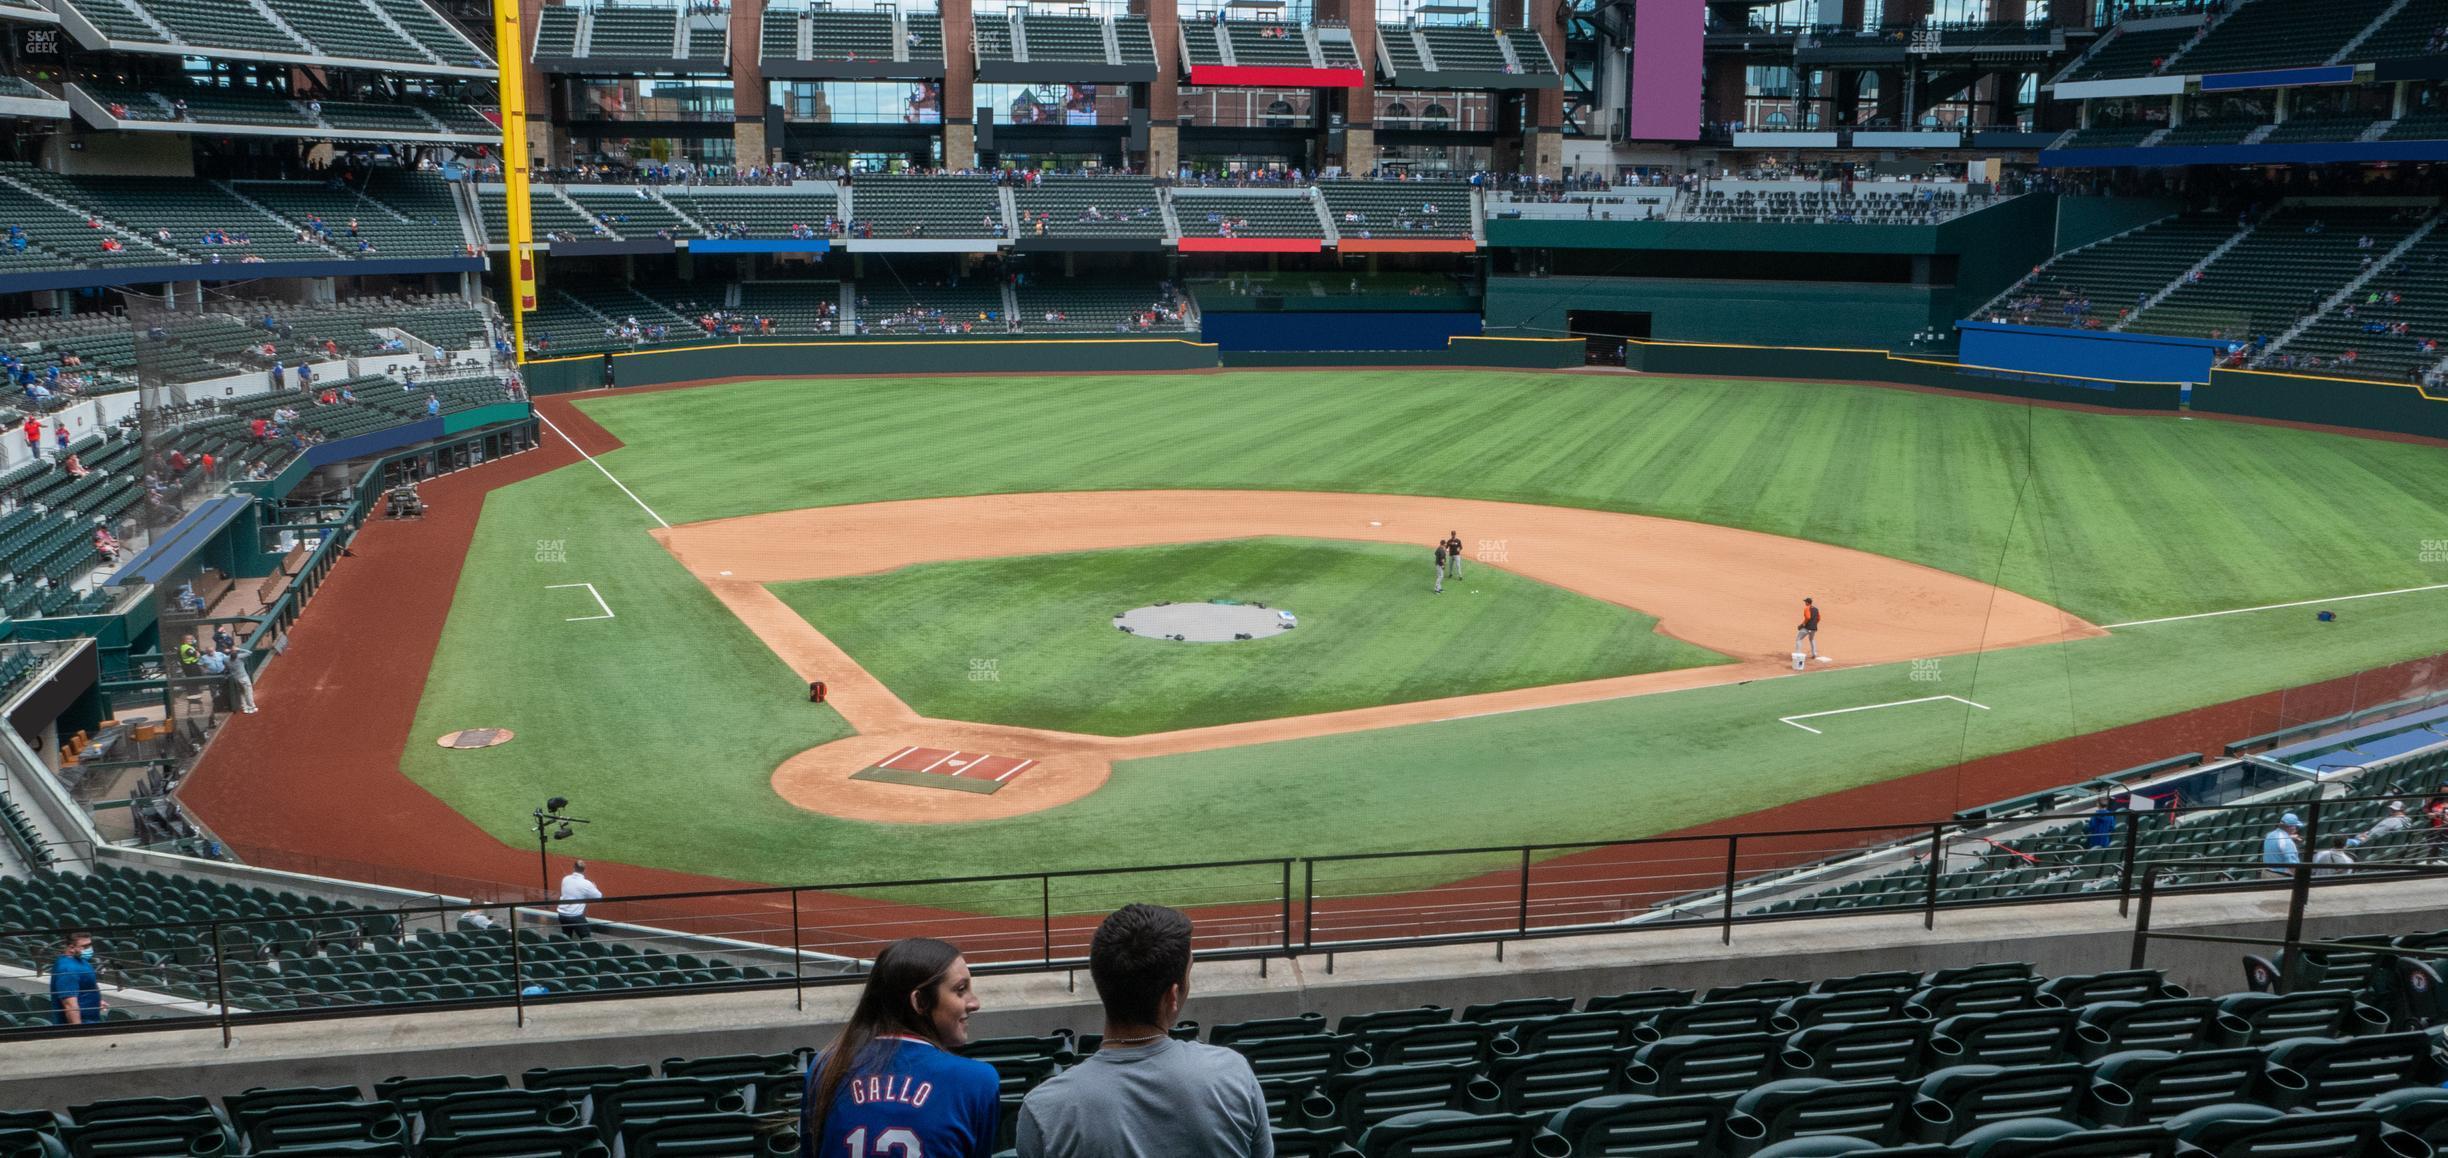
(1733, 591)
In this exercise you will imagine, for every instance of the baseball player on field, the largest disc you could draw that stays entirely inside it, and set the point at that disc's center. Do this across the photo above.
(1806, 636)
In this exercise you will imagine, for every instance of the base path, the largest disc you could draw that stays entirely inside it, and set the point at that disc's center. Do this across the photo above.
(1732, 591)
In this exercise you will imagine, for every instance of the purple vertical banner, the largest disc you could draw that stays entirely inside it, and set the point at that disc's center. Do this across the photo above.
(1665, 98)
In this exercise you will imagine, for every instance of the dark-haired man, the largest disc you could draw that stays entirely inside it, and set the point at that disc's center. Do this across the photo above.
(1144, 1092)
(76, 987)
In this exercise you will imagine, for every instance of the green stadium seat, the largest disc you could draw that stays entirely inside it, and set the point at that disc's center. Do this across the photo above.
(1711, 1062)
(477, 1111)
(1471, 1041)
(1958, 1099)
(715, 1135)
(1640, 1124)
(1545, 1082)
(1853, 1051)
(2252, 1131)
(1802, 1107)
(1303, 1025)
(2327, 1074)
(2271, 1017)
(195, 1135)
(1361, 1098)
(1451, 1134)
(1360, 1023)
(534, 1142)
(316, 1124)
(2138, 1086)
(1302, 1058)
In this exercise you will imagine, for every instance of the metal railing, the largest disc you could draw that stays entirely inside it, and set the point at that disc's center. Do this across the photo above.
(295, 960)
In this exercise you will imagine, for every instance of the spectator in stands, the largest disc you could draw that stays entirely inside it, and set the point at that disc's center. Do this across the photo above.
(891, 1073)
(59, 434)
(242, 683)
(106, 544)
(2333, 859)
(2393, 821)
(576, 891)
(1145, 1092)
(2101, 828)
(76, 986)
(33, 435)
(2279, 850)
(190, 656)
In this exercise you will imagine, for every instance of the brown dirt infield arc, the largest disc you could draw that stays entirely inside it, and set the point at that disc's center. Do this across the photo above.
(313, 783)
(1732, 591)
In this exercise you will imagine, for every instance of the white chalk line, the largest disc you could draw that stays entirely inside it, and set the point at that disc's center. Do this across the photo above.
(1869, 707)
(2280, 606)
(624, 487)
(590, 589)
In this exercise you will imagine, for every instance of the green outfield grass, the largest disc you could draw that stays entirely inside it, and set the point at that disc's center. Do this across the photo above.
(670, 718)
(1373, 631)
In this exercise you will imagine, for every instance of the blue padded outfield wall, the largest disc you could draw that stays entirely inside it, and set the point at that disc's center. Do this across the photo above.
(1304, 330)
(2089, 353)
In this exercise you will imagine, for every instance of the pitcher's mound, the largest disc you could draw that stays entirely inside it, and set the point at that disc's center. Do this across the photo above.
(476, 737)
(1221, 622)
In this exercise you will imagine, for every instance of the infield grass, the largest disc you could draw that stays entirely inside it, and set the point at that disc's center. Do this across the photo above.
(1030, 641)
(671, 718)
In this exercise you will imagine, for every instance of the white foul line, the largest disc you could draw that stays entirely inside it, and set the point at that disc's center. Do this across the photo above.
(624, 487)
(2281, 606)
(599, 601)
(1869, 707)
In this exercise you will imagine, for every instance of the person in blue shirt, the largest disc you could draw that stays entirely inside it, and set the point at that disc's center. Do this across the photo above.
(889, 1086)
(76, 988)
(2280, 850)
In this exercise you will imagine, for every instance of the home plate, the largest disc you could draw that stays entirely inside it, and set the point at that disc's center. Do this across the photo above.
(959, 771)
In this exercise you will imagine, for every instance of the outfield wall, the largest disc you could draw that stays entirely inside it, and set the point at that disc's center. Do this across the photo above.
(1875, 366)
(1020, 355)
(691, 363)
(1709, 310)
(1234, 332)
(2394, 407)
(2089, 353)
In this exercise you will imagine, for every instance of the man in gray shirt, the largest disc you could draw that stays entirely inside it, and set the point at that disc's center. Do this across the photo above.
(1143, 1094)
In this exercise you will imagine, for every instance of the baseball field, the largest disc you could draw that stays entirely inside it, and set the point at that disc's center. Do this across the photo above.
(948, 555)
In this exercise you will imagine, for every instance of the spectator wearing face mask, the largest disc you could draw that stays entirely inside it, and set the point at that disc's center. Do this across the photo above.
(76, 986)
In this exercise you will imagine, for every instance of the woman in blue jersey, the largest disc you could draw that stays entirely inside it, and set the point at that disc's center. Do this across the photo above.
(889, 1085)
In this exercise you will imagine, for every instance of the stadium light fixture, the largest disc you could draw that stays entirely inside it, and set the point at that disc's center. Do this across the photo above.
(551, 825)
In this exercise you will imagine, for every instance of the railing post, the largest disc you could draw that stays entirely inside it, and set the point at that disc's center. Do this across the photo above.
(1045, 923)
(1521, 919)
(518, 967)
(1287, 907)
(798, 978)
(221, 983)
(1308, 903)
(2142, 919)
(2299, 894)
(1937, 857)
(2125, 878)
(1725, 923)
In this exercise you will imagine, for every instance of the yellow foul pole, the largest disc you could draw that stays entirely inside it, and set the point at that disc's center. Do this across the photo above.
(509, 49)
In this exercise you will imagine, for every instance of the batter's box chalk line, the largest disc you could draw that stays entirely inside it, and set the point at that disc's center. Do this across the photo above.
(1796, 721)
(590, 589)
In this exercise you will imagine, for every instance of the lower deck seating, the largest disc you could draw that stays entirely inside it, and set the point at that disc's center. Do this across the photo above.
(1980, 1059)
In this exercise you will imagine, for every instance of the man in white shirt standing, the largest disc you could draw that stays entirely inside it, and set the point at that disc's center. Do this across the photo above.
(576, 891)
